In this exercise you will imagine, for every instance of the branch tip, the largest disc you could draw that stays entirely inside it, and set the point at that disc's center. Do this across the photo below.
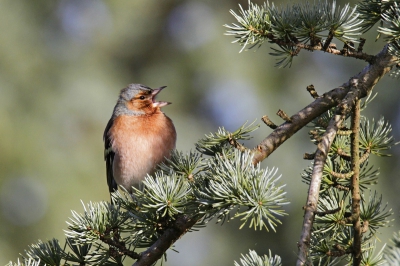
(312, 91)
(232, 141)
(283, 115)
(326, 212)
(361, 45)
(314, 135)
(268, 122)
(309, 156)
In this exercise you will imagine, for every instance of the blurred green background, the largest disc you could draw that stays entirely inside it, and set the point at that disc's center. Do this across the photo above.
(62, 64)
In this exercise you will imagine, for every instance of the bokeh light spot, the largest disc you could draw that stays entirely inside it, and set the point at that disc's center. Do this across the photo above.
(23, 200)
(191, 25)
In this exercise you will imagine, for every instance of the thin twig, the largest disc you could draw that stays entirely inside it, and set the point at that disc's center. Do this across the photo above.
(234, 143)
(361, 45)
(314, 135)
(326, 212)
(313, 193)
(347, 51)
(342, 175)
(365, 156)
(309, 156)
(283, 115)
(181, 225)
(344, 132)
(341, 187)
(343, 155)
(119, 245)
(344, 108)
(355, 185)
(268, 122)
(312, 91)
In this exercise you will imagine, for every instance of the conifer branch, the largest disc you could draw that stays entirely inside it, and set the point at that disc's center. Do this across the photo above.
(181, 225)
(313, 193)
(193, 188)
(214, 143)
(355, 185)
(374, 214)
(117, 247)
(364, 81)
(301, 27)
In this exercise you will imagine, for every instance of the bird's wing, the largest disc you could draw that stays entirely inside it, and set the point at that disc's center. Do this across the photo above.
(109, 158)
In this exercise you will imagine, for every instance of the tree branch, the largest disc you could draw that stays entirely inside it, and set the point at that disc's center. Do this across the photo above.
(364, 81)
(361, 83)
(313, 193)
(344, 108)
(182, 224)
(361, 86)
(328, 47)
(355, 184)
(234, 143)
(119, 245)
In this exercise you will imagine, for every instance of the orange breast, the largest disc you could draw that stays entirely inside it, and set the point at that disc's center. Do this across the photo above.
(140, 143)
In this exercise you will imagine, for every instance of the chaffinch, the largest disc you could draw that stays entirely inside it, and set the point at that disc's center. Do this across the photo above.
(137, 137)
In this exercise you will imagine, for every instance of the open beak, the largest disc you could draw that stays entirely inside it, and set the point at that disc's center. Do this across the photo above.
(154, 94)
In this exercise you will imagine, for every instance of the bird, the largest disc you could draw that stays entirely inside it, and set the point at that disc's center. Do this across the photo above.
(137, 137)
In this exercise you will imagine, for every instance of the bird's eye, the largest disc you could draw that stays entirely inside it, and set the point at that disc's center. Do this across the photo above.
(142, 97)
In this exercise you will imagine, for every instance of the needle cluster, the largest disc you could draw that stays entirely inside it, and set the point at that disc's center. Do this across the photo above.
(332, 236)
(313, 27)
(219, 181)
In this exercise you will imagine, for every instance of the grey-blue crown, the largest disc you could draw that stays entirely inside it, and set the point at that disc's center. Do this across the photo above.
(131, 90)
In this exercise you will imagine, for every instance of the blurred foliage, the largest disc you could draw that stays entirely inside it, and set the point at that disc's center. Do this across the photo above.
(62, 64)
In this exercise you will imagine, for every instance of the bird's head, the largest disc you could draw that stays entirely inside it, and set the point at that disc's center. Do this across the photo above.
(138, 99)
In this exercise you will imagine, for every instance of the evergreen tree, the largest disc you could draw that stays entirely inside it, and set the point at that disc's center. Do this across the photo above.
(223, 179)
